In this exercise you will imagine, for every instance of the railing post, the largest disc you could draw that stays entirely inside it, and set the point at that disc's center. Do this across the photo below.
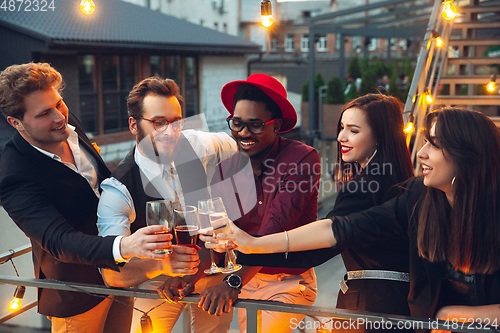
(252, 319)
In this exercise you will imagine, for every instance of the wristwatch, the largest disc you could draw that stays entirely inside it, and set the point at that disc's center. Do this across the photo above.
(234, 281)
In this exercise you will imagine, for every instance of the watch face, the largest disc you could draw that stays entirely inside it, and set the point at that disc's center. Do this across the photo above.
(234, 281)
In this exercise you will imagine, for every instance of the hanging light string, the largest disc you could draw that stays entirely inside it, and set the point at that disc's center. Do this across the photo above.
(146, 324)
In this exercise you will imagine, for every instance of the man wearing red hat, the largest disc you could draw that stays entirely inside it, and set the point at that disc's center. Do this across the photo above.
(284, 183)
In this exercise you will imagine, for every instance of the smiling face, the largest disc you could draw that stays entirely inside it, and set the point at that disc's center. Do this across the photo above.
(356, 137)
(45, 122)
(439, 169)
(154, 107)
(254, 145)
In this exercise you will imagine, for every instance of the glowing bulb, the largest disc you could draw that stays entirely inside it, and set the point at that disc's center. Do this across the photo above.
(266, 21)
(15, 304)
(429, 98)
(439, 42)
(409, 128)
(491, 86)
(449, 11)
(266, 13)
(87, 6)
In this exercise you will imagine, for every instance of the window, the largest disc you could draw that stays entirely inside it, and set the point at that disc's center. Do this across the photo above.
(322, 46)
(304, 43)
(225, 27)
(356, 43)
(274, 44)
(289, 43)
(116, 79)
(373, 44)
(191, 86)
(105, 81)
(394, 44)
(216, 26)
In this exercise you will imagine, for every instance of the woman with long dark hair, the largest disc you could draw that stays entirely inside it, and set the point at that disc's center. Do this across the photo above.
(373, 158)
(451, 217)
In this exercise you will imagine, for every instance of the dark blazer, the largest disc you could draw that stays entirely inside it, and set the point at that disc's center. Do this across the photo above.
(57, 209)
(398, 219)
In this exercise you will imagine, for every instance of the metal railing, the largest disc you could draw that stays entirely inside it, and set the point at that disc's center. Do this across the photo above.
(354, 318)
(253, 306)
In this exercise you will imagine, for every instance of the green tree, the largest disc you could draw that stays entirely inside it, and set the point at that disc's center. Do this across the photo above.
(354, 67)
(318, 82)
(334, 91)
(368, 83)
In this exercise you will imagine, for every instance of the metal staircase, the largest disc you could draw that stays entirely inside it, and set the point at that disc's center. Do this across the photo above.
(462, 64)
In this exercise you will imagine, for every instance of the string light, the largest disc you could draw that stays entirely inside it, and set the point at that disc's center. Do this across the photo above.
(439, 42)
(266, 13)
(409, 128)
(428, 97)
(449, 11)
(87, 6)
(146, 324)
(15, 304)
(492, 85)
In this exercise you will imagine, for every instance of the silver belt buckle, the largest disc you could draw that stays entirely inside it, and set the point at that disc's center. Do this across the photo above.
(343, 284)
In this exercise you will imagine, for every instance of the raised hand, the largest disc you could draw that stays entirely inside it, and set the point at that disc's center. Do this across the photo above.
(239, 240)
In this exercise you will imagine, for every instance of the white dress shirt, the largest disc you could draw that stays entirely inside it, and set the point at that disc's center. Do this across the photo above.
(116, 207)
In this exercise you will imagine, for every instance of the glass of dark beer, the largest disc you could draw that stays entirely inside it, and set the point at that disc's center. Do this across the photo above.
(186, 225)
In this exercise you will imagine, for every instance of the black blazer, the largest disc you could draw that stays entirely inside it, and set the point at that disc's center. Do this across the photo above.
(57, 209)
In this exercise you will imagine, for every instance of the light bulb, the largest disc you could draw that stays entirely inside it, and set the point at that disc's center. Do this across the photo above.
(146, 324)
(409, 128)
(429, 98)
(266, 21)
(449, 11)
(439, 42)
(87, 6)
(266, 13)
(15, 304)
(491, 86)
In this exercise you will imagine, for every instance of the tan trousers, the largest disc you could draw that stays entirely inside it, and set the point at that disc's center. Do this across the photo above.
(105, 317)
(286, 288)
(165, 316)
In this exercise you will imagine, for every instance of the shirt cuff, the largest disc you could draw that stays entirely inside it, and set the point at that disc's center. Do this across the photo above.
(116, 250)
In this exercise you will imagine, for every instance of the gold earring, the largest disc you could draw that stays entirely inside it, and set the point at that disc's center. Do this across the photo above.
(453, 180)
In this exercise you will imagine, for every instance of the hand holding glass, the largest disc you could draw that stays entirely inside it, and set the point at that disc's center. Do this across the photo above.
(205, 207)
(159, 212)
(220, 224)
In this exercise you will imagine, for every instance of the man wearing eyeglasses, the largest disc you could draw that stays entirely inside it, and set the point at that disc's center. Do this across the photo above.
(281, 193)
(167, 163)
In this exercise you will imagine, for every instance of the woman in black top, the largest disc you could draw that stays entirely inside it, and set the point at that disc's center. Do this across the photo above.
(372, 159)
(451, 217)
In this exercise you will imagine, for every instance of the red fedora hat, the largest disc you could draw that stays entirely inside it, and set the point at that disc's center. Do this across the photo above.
(273, 88)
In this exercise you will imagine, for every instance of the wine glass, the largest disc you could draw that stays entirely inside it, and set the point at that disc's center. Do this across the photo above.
(205, 207)
(186, 226)
(159, 212)
(220, 224)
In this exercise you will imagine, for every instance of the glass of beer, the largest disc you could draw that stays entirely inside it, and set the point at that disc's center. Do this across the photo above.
(205, 207)
(220, 224)
(159, 212)
(186, 226)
